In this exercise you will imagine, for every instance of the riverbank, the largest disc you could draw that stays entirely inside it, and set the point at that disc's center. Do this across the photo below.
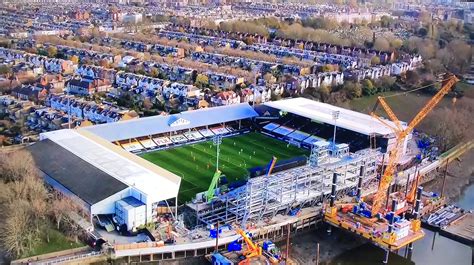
(460, 176)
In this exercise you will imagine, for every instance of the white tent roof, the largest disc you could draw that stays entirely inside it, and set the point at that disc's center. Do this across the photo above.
(322, 112)
(158, 184)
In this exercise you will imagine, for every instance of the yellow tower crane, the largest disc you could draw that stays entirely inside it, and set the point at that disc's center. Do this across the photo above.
(401, 134)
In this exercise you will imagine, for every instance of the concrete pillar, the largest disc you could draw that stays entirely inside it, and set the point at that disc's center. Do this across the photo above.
(392, 217)
(416, 211)
(387, 253)
(359, 184)
(333, 190)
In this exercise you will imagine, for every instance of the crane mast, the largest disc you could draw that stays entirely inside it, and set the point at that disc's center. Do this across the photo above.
(401, 135)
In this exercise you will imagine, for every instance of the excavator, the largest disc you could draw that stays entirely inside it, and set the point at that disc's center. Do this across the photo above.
(253, 250)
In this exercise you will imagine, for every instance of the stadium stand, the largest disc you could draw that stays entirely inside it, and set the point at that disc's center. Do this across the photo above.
(283, 130)
(206, 132)
(132, 146)
(353, 128)
(148, 143)
(155, 125)
(162, 141)
(312, 139)
(298, 136)
(166, 131)
(193, 135)
(178, 138)
(219, 130)
(271, 126)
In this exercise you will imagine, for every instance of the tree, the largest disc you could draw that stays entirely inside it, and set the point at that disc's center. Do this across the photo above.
(353, 3)
(154, 72)
(52, 51)
(326, 68)
(147, 104)
(422, 32)
(452, 125)
(324, 92)
(5, 70)
(375, 60)
(368, 88)
(269, 79)
(17, 235)
(23, 199)
(427, 48)
(201, 81)
(352, 90)
(386, 21)
(385, 83)
(456, 56)
(61, 206)
(412, 78)
(381, 44)
(396, 43)
(16, 165)
(305, 71)
(75, 59)
(432, 31)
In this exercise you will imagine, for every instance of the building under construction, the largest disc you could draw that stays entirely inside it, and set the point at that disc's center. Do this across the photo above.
(339, 142)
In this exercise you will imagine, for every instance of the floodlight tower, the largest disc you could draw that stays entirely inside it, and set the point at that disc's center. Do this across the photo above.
(335, 116)
(217, 140)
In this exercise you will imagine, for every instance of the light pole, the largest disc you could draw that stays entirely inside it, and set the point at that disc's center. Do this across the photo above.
(335, 116)
(69, 109)
(217, 140)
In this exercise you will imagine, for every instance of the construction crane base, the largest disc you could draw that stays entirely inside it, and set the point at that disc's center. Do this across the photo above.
(376, 232)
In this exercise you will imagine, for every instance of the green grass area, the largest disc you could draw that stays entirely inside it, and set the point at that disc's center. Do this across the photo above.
(57, 242)
(406, 106)
(196, 163)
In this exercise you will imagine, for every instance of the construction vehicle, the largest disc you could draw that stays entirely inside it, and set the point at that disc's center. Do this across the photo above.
(271, 250)
(271, 166)
(379, 222)
(251, 253)
(211, 191)
(252, 250)
(401, 134)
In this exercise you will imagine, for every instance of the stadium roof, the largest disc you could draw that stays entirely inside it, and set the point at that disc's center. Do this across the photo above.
(322, 112)
(84, 180)
(162, 124)
(156, 183)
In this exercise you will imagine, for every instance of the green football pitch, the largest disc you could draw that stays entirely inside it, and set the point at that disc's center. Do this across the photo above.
(196, 163)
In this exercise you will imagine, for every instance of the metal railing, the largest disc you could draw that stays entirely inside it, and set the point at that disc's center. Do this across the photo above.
(72, 258)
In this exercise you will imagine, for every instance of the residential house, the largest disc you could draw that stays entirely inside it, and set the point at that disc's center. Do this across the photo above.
(225, 98)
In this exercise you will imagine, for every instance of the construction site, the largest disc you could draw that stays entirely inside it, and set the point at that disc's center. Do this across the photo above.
(221, 198)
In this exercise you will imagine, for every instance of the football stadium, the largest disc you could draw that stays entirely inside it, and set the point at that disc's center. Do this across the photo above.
(196, 163)
(232, 163)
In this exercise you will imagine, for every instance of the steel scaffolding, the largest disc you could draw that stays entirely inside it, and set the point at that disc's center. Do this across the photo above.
(264, 197)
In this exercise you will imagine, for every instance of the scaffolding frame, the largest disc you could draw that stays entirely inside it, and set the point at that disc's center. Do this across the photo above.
(266, 196)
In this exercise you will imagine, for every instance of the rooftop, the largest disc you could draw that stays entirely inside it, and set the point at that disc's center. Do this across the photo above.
(154, 182)
(322, 112)
(84, 180)
(162, 124)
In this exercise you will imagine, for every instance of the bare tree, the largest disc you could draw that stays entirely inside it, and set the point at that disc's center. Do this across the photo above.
(15, 165)
(17, 235)
(452, 125)
(60, 207)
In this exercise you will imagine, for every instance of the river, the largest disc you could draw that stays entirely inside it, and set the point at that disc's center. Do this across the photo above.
(433, 249)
